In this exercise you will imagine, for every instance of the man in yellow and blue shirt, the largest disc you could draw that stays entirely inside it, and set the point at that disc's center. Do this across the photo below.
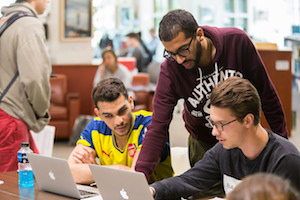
(115, 136)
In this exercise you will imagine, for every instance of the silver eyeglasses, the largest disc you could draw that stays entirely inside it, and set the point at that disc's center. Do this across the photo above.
(219, 125)
(182, 52)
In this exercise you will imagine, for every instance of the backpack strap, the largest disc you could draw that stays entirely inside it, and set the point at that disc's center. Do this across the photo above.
(6, 24)
(12, 19)
(9, 85)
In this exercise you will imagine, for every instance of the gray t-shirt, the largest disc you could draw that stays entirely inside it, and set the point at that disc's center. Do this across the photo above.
(279, 157)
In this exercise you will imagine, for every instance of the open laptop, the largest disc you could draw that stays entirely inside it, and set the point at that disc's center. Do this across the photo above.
(54, 175)
(120, 184)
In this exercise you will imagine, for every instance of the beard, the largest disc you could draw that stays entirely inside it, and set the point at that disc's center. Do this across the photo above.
(198, 56)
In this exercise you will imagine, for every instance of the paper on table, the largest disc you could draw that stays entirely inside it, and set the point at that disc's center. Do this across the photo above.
(44, 140)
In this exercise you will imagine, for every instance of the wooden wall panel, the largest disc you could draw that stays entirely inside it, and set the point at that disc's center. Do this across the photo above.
(282, 79)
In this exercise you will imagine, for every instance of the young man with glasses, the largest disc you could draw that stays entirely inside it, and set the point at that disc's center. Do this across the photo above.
(197, 60)
(244, 147)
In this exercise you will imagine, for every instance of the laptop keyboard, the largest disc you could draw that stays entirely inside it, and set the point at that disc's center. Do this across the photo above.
(85, 193)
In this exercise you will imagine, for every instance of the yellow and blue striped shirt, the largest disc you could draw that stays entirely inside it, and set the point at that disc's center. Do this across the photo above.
(100, 137)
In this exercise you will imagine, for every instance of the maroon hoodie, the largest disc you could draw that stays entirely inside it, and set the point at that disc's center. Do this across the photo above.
(235, 56)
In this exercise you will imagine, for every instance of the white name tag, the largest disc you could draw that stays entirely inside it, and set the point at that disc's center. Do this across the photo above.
(229, 183)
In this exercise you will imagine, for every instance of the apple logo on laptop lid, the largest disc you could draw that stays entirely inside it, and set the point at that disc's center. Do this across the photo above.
(124, 194)
(51, 175)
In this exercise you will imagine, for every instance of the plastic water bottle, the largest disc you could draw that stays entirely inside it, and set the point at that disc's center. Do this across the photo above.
(25, 170)
(26, 193)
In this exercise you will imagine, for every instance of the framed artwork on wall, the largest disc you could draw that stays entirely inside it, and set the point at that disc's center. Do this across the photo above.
(125, 17)
(76, 20)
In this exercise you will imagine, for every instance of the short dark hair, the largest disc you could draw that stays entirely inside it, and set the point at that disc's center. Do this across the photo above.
(108, 90)
(133, 35)
(239, 95)
(176, 21)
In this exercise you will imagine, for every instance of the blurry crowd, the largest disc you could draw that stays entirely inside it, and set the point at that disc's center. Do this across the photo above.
(132, 45)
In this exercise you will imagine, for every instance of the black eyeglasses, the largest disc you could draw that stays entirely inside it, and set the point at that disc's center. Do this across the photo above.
(219, 125)
(182, 52)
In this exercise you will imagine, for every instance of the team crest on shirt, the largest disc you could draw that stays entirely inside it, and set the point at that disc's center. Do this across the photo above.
(131, 150)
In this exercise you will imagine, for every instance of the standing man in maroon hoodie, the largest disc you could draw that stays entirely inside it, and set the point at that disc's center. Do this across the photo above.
(197, 59)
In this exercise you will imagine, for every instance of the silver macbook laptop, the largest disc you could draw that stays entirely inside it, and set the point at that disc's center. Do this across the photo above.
(120, 184)
(54, 175)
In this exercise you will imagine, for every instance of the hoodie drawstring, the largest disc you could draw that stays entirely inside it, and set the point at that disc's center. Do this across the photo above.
(216, 74)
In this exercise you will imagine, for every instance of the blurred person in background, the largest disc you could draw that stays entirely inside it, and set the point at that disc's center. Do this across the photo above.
(136, 49)
(110, 68)
(153, 43)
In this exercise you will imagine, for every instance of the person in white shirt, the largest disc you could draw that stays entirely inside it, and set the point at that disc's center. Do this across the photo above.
(112, 69)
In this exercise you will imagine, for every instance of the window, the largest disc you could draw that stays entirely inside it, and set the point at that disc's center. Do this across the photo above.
(236, 14)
